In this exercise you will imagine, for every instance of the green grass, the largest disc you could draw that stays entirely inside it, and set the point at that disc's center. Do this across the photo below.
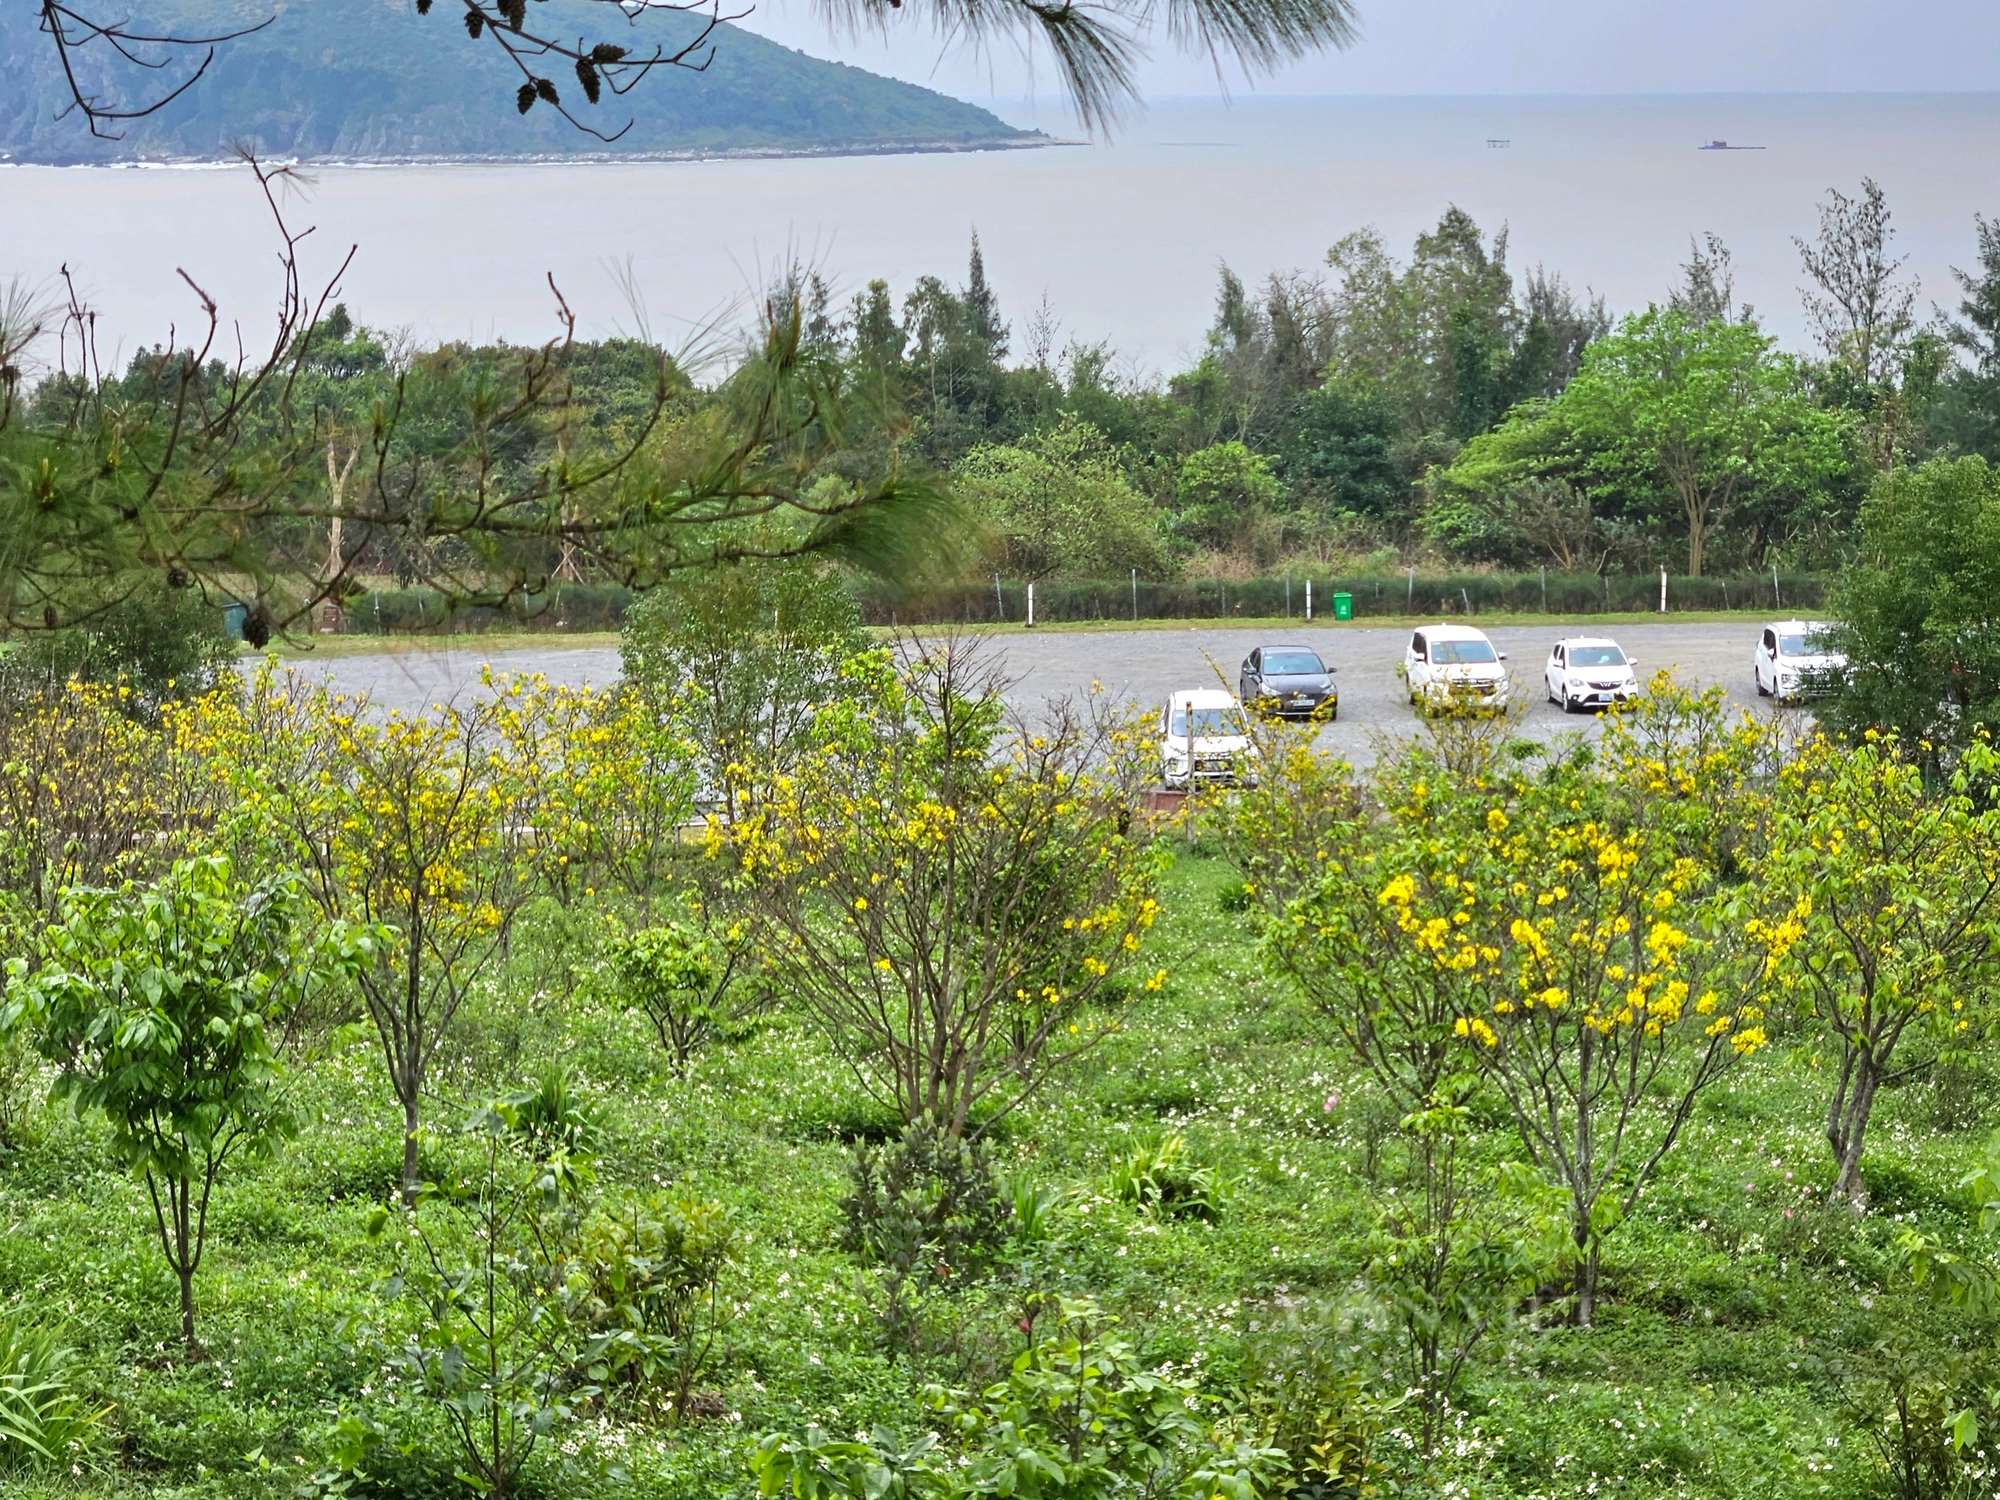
(324, 647)
(1738, 1307)
(333, 646)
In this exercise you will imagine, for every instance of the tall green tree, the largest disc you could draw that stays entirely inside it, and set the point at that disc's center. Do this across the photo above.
(1224, 495)
(1960, 411)
(1702, 416)
(158, 1005)
(1341, 454)
(1917, 610)
(1059, 505)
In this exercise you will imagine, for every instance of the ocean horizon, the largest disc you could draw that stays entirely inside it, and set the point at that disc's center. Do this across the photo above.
(1122, 240)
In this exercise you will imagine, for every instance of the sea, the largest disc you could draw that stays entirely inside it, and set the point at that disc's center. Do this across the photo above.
(1116, 240)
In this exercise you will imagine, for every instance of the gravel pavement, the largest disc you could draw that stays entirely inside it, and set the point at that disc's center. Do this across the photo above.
(1147, 664)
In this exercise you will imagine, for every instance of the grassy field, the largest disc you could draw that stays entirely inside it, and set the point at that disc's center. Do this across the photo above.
(1732, 1358)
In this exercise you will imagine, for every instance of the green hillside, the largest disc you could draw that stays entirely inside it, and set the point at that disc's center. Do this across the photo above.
(360, 79)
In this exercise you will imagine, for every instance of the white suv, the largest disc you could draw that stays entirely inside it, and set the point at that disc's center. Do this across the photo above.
(1793, 661)
(1203, 737)
(1455, 662)
(1588, 671)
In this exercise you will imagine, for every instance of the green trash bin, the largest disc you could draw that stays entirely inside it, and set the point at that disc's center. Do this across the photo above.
(1343, 606)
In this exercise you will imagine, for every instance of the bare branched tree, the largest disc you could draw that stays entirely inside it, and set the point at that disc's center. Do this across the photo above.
(1862, 314)
(1707, 290)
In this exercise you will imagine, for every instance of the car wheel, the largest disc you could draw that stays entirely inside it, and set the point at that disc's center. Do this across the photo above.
(1762, 692)
(1568, 704)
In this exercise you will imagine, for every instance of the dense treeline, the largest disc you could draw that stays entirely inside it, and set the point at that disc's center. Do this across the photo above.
(1444, 408)
(1438, 410)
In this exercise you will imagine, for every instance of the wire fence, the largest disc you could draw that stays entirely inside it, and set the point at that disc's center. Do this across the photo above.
(1444, 595)
(592, 607)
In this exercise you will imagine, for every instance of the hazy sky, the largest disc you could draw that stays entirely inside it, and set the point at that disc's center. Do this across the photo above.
(1561, 46)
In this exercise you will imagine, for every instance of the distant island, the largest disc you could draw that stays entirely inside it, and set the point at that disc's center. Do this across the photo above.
(371, 81)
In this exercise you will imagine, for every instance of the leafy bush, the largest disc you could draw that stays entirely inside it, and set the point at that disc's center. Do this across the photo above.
(651, 1275)
(1315, 1397)
(685, 981)
(1082, 1412)
(929, 1211)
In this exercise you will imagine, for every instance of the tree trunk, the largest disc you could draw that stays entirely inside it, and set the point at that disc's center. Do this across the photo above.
(186, 1273)
(1697, 519)
(410, 1149)
(1586, 1277)
(1847, 1129)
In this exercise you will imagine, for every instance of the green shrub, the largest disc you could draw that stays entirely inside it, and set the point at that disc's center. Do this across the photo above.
(652, 1272)
(1160, 1175)
(44, 1422)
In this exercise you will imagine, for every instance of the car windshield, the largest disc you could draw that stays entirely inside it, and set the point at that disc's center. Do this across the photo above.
(1209, 723)
(1805, 644)
(1596, 656)
(1292, 664)
(1461, 653)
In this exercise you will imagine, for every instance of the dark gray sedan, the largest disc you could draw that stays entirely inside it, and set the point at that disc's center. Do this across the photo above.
(1288, 681)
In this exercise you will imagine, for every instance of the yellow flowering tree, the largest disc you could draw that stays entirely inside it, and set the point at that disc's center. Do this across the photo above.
(1881, 909)
(1573, 916)
(600, 782)
(409, 823)
(81, 788)
(947, 894)
(1317, 849)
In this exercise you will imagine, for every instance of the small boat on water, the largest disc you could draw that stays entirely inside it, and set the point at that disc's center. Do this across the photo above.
(1725, 146)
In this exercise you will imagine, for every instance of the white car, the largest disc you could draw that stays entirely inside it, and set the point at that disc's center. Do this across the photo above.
(1204, 737)
(1793, 661)
(1589, 671)
(1444, 662)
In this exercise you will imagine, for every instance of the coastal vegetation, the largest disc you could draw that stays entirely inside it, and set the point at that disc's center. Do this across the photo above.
(915, 1115)
(807, 1068)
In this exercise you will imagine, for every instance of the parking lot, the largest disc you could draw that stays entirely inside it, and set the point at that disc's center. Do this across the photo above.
(1145, 665)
